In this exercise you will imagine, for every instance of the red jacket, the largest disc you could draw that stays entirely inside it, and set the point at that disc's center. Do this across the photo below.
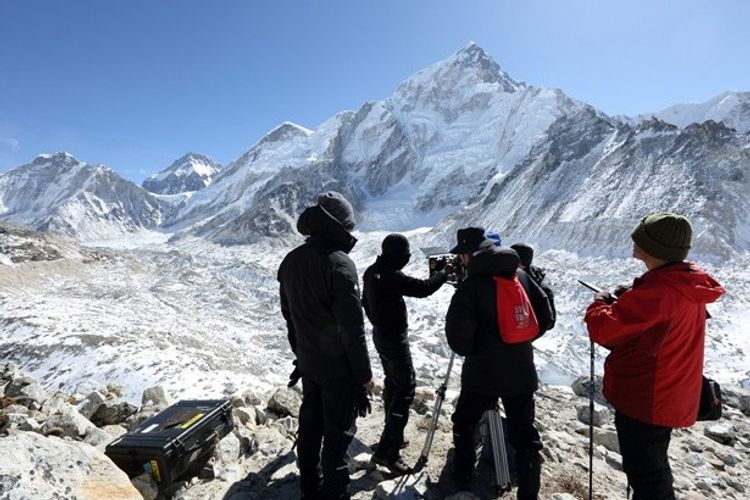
(656, 335)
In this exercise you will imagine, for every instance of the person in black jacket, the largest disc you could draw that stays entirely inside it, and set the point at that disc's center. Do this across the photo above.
(492, 368)
(385, 286)
(526, 254)
(321, 305)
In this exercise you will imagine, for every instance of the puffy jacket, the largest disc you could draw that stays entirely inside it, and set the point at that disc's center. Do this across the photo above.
(320, 301)
(492, 366)
(656, 334)
(385, 286)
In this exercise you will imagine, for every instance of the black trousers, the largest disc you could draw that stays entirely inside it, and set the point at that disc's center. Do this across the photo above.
(644, 458)
(398, 393)
(519, 410)
(327, 417)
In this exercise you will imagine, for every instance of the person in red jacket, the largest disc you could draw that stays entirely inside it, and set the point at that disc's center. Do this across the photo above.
(655, 330)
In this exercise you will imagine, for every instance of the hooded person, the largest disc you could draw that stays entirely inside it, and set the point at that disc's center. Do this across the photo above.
(493, 368)
(385, 286)
(319, 293)
(655, 331)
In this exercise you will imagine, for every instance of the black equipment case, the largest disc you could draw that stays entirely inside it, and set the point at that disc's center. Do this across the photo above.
(169, 443)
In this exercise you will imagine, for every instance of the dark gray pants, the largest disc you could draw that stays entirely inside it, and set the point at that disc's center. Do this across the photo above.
(644, 458)
(398, 393)
(327, 417)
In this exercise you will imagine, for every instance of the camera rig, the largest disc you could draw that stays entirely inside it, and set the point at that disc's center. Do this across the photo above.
(452, 265)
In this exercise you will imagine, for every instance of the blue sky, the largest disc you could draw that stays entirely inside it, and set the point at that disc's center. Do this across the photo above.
(135, 84)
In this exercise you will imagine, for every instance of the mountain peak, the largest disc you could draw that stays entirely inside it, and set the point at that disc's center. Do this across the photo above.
(286, 131)
(190, 172)
(62, 158)
(470, 67)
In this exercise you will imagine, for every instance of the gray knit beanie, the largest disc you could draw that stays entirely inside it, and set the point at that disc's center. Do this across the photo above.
(336, 205)
(665, 236)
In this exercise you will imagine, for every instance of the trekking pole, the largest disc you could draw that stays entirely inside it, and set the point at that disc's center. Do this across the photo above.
(591, 424)
(440, 393)
(591, 402)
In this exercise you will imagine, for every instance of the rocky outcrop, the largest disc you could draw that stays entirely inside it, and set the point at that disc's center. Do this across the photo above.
(257, 459)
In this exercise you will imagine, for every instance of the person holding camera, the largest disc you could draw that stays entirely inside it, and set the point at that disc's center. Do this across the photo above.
(494, 368)
(319, 292)
(385, 286)
(655, 331)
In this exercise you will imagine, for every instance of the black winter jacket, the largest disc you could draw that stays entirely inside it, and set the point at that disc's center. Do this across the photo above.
(385, 286)
(320, 301)
(492, 366)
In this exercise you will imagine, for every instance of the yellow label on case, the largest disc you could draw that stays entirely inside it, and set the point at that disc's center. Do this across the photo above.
(192, 421)
(155, 470)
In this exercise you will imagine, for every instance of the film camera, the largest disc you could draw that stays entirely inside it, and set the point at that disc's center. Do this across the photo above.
(452, 265)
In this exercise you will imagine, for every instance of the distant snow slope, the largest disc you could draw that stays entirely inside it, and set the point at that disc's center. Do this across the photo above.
(730, 108)
(204, 319)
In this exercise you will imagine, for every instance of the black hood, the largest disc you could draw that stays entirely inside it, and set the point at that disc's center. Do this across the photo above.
(395, 262)
(495, 261)
(318, 223)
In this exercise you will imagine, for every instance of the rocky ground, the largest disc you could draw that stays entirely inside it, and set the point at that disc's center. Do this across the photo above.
(51, 446)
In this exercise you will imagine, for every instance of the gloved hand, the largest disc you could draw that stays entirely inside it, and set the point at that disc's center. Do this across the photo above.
(361, 400)
(294, 376)
(605, 296)
(620, 289)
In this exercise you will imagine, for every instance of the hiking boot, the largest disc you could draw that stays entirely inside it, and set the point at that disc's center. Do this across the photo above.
(396, 466)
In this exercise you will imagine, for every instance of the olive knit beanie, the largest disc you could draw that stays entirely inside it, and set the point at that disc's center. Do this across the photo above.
(665, 236)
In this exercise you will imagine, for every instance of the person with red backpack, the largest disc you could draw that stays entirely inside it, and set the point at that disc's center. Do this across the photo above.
(494, 315)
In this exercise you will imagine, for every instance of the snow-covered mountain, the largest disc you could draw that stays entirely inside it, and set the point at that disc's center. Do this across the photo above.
(191, 172)
(61, 194)
(585, 185)
(460, 142)
(730, 108)
(404, 162)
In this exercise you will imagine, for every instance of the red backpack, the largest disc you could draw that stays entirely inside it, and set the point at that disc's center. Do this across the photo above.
(516, 320)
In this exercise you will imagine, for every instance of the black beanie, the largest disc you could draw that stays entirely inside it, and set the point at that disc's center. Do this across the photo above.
(395, 245)
(336, 205)
(665, 236)
(525, 253)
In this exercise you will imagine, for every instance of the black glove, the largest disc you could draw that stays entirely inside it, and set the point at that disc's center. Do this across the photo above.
(441, 264)
(605, 296)
(620, 289)
(361, 400)
(294, 376)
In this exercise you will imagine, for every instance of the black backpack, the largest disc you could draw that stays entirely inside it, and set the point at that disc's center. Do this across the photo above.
(710, 403)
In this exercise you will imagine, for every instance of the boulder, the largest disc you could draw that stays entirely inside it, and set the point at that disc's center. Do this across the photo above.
(91, 404)
(35, 466)
(285, 402)
(29, 394)
(88, 386)
(156, 397)
(723, 433)
(424, 399)
(411, 487)
(113, 412)
(67, 422)
(608, 439)
(601, 414)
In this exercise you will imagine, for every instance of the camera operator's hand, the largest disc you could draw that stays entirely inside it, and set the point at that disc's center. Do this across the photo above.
(606, 297)
(361, 396)
(620, 289)
(294, 376)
